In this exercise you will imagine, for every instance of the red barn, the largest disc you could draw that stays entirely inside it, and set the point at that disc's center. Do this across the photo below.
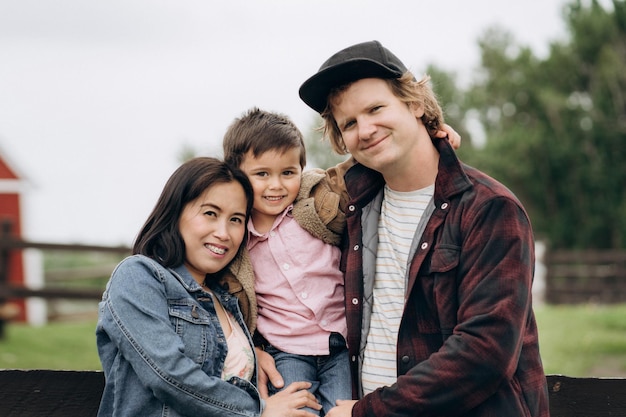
(10, 217)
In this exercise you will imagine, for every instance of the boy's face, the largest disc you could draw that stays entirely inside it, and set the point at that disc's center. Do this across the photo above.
(275, 178)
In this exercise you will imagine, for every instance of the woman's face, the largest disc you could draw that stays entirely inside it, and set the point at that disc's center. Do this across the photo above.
(212, 227)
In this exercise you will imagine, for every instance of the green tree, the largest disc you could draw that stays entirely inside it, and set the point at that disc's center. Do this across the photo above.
(318, 150)
(555, 127)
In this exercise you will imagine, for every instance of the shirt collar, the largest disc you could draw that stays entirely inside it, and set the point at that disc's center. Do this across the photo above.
(254, 236)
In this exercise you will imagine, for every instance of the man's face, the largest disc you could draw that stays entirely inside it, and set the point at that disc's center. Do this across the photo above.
(378, 129)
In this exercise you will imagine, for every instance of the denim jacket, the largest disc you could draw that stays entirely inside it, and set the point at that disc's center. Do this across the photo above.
(162, 347)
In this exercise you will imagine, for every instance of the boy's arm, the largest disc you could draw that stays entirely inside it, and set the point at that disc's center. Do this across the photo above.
(320, 205)
(321, 202)
(238, 280)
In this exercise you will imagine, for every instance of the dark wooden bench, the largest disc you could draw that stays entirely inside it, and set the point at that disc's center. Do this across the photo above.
(47, 393)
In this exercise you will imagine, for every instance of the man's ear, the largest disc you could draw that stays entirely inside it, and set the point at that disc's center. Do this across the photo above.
(417, 110)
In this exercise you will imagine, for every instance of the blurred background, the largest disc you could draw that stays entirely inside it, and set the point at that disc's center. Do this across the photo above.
(101, 101)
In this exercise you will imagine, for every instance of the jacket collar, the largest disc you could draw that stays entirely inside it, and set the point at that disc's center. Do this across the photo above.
(364, 183)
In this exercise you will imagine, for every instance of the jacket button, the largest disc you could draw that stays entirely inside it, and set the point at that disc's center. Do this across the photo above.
(356, 247)
(355, 301)
(424, 245)
(444, 206)
(351, 207)
(405, 359)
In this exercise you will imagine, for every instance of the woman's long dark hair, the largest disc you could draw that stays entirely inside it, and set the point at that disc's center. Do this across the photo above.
(160, 238)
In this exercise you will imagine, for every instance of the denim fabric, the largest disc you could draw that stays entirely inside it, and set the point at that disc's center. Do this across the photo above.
(162, 347)
(328, 374)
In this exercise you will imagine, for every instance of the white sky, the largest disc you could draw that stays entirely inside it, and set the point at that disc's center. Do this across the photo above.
(97, 99)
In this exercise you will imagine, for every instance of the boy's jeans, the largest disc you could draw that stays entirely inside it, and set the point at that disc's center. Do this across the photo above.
(328, 374)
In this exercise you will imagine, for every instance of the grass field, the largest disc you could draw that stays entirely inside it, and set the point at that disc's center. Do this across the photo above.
(54, 346)
(574, 341)
(583, 340)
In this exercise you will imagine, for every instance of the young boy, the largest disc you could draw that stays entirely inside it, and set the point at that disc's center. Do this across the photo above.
(293, 248)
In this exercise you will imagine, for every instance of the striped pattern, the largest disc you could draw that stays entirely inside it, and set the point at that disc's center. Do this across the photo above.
(400, 214)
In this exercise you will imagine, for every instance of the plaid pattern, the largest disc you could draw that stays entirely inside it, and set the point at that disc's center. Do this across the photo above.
(468, 343)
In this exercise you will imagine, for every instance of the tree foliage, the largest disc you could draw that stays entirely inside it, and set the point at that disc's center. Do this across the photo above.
(555, 127)
(551, 128)
(318, 151)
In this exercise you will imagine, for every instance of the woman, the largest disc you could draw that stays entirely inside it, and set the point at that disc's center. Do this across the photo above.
(171, 338)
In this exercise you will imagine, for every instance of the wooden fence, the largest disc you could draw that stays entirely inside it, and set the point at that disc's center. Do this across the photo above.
(9, 291)
(574, 277)
(50, 393)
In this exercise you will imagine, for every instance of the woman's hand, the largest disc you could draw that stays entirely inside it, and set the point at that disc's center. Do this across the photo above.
(453, 137)
(290, 401)
(267, 372)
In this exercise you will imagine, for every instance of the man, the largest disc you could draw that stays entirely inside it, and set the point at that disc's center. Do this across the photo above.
(438, 257)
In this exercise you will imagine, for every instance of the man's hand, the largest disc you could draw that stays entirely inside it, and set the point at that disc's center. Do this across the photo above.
(342, 409)
(267, 372)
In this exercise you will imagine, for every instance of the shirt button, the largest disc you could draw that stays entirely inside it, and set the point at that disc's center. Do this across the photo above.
(272, 233)
(304, 295)
(355, 301)
(351, 207)
(285, 266)
(424, 245)
(324, 323)
(444, 206)
(356, 247)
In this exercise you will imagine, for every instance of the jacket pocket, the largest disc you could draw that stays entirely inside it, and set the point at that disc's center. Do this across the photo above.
(195, 327)
(440, 302)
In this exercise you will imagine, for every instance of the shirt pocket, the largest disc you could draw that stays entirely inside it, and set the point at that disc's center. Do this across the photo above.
(438, 312)
(195, 327)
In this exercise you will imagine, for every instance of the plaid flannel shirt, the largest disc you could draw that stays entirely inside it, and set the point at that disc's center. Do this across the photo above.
(467, 343)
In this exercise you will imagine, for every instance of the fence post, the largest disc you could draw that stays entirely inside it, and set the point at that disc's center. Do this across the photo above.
(5, 234)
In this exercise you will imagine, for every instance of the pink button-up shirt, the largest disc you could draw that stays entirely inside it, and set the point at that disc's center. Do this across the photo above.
(299, 287)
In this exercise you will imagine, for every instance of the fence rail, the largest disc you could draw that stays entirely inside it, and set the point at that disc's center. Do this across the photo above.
(8, 290)
(12, 291)
(589, 276)
(572, 277)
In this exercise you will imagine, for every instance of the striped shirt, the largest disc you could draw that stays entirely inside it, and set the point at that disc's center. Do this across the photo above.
(400, 214)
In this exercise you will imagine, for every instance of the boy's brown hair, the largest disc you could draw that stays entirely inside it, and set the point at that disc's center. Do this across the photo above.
(261, 131)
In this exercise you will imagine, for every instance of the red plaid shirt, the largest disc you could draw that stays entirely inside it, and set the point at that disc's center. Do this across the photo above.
(467, 343)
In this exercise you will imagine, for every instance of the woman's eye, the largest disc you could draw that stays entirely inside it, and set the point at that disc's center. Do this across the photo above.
(210, 213)
(237, 220)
